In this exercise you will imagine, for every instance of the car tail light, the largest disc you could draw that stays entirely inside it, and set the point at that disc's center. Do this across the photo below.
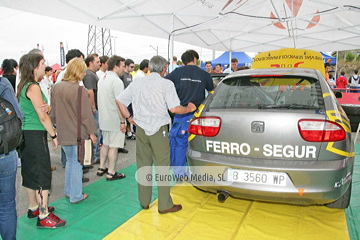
(321, 131)
(205, 126)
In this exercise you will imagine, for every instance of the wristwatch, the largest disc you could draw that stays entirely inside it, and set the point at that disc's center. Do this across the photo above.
(53, 137)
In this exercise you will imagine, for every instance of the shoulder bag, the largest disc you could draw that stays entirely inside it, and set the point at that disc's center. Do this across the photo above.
(85, 146)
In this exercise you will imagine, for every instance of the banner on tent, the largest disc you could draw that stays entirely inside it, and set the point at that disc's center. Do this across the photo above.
(290, 58)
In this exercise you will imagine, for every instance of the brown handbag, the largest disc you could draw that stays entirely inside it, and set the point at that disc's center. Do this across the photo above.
(85, 146)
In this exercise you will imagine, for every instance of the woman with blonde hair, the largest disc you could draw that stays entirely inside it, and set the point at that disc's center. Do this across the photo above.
(64, 100)
(35, 160)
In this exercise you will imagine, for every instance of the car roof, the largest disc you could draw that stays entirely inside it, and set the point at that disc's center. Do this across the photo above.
(306, 72)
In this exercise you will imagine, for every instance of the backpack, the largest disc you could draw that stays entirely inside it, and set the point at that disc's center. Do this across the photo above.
(11, 135)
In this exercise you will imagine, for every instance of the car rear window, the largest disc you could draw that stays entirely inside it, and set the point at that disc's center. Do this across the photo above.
(268, 92)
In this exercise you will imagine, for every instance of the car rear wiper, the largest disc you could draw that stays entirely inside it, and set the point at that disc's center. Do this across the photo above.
(287, 106)
(301, 106)
(268, 106)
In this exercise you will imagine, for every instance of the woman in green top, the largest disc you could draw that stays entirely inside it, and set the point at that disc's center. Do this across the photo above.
(35, 161)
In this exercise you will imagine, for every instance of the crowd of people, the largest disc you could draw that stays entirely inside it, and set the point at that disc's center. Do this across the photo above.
(342, 83)
(113, 109)
(233, 67)
(116, 105)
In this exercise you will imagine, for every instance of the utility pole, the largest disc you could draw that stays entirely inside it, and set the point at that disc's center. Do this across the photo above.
(114, 39)
(156, 49)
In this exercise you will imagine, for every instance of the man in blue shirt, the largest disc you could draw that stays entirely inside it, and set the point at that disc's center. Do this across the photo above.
(8, 166)
(190, 83)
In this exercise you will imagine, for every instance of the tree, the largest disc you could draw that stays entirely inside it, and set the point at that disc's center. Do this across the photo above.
(349, 57)
(137, 67)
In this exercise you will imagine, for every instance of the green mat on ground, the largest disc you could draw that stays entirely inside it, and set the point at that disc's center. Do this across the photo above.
(353, 211)
(109, 205)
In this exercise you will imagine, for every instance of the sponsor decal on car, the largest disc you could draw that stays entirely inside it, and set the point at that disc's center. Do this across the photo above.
(268, 150)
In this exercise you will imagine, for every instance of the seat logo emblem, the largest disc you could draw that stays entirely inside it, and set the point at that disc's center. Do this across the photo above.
(257, 127)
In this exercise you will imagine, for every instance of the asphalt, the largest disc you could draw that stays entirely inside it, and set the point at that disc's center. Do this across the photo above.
(57, 191)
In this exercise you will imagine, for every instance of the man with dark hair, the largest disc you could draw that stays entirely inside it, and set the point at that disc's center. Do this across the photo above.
(195, 54)
(46, 83)
(152, 118)
(73, 53)
(127, 79)
(90, 82)
(327, 67)
(234, 65)
(103, 67)
(208, 67)
(341, 81)
(111, 124)
(190, 82)
(144, 68)
(354, 80)
(218, 68)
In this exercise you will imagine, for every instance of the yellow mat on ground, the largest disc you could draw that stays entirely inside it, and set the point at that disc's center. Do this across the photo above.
(203, 217)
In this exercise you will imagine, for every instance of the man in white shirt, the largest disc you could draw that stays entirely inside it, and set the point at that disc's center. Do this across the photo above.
(46, 83)
(103, 67)
(144, 68)
(234, 65)
(152, 118)
(111, 122)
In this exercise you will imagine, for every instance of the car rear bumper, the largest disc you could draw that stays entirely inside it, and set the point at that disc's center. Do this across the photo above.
(307, 182)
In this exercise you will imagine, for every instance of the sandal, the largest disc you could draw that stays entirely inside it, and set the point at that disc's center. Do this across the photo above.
(85, 196)
(101, 171)
(115, 176)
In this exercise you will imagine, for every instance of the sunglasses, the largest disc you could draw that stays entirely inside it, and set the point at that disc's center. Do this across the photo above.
(131, 66)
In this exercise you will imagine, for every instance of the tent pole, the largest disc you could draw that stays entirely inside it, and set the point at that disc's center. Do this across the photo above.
(171, 53)
(213, 54)
(230, 56)
(336, 65)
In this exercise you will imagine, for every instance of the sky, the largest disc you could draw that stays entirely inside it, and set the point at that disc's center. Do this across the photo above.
(21, 32)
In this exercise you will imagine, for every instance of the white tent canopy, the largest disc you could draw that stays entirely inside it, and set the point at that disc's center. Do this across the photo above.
(233, 25)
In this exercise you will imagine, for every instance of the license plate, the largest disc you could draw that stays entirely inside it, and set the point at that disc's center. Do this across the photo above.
(257, 177)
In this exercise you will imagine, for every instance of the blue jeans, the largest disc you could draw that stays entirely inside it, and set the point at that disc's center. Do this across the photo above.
(73, 174)
(98, 135)
(8, 166)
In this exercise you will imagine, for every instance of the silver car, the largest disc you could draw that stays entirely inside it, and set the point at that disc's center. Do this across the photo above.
(274, 135)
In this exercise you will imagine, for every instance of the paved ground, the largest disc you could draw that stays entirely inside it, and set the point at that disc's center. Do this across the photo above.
(57, 192)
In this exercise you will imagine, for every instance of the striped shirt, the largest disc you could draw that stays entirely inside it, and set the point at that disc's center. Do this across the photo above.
(151, 97)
